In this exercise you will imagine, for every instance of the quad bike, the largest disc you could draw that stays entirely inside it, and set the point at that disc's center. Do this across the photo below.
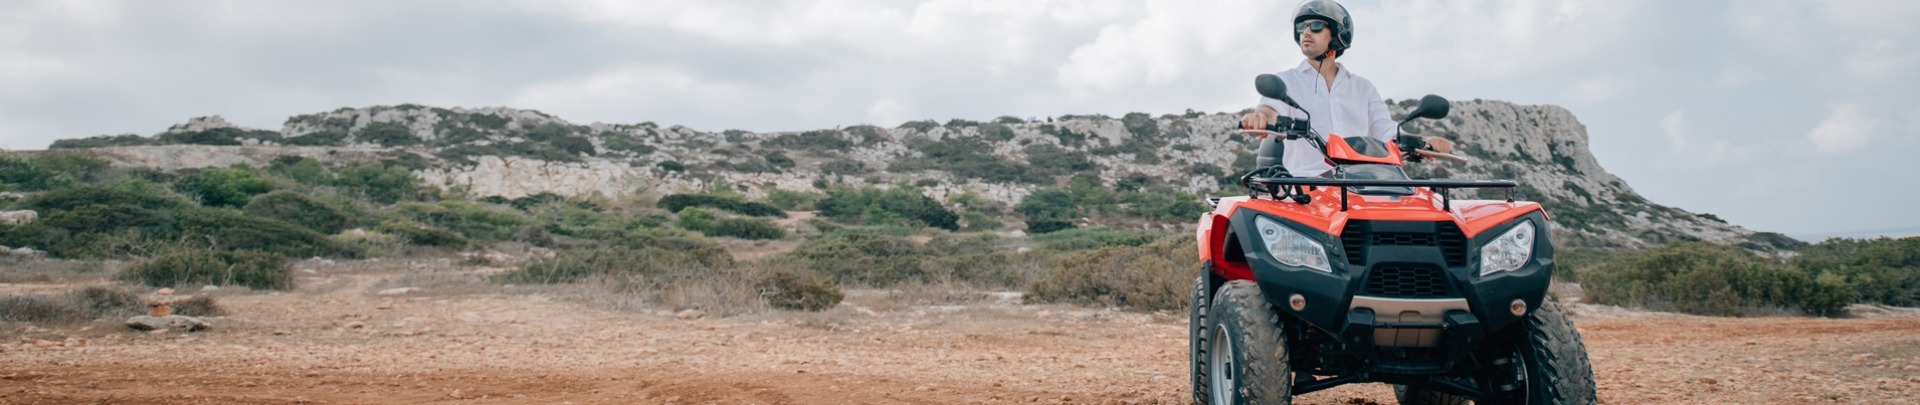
(1365, 275)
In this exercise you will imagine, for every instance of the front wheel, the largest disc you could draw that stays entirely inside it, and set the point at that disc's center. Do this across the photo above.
(1553, 367)
(1247, 359)
(1197, 335)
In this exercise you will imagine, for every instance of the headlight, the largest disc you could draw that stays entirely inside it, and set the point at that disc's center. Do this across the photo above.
(1509, 251)
(1290, 247)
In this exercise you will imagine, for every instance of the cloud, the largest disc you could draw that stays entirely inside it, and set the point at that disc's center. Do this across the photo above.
(1847, 127)
(1168, 42)
(1596, 89)
(1674, 127)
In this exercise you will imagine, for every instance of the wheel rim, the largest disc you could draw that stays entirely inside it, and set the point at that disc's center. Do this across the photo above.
(1220, 378)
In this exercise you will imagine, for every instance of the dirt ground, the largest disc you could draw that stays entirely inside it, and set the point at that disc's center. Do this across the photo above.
(338, 339)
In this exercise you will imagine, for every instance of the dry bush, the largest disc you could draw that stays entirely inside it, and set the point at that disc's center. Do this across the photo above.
(198, 305)
(1144, 278)
(73, 306)
(256, 270)
(799, 290)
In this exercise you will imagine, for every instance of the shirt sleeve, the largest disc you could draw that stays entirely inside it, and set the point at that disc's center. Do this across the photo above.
(1380, 123)
(1284, 109)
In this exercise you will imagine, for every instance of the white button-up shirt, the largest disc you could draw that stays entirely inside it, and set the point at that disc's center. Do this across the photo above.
(1351, 107)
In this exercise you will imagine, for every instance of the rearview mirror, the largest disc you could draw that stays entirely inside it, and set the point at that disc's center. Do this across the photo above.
(1270, 86)
(1431, 107)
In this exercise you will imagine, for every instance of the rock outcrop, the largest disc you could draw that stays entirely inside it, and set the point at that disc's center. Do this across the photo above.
(512, 153)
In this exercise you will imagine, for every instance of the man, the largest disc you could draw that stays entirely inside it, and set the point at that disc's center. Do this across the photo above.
(1342, 103)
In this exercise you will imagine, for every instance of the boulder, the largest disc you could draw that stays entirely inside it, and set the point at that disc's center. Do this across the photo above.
(18, 217)
(174, 322)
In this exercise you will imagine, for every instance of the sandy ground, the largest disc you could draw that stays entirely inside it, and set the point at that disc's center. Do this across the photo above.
(337, 340)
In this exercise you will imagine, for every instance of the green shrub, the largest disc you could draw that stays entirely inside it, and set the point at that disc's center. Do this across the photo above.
(298, 209)
(797, 290)
(421, 235)
(818, 142)
(228, 229)
(256, 270)
(224, 187)
(794, 200)
(693, 219)
(50, 171)
(302, 170)
(1049, 203)
(1708, 279)
(677, 202)
(968, 158)
(1175, 206)
(381, 182)
(215, 136)
(977, 222)
(101, 141)
(1047, 225)
(638, 256)
(862, 258)
(878, 206)
(1071, 239)
(138, 194)
(745, 228)
(1150, 277)
(473, 221)
(1881, 270)
(388, 134)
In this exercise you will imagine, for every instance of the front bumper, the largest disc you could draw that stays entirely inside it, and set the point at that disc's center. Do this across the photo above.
(1402, 297)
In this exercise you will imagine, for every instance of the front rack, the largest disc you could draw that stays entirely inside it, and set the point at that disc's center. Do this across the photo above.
(1274, 185)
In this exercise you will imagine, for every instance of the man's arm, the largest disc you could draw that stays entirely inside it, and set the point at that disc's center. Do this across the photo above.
(1381, 126)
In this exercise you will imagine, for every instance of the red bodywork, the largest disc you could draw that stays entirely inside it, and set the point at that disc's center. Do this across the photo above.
(1323, 212)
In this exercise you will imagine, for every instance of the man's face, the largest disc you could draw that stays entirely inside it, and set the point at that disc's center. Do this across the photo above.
(1313, 42)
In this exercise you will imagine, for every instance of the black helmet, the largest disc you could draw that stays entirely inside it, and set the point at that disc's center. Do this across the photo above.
(1336, 17)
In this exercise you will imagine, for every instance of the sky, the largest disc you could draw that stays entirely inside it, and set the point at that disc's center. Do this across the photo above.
(1798, 117)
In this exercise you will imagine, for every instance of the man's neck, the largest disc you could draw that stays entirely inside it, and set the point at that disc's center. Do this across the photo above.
(1327, 68)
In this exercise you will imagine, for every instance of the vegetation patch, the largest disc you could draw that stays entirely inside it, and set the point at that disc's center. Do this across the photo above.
(898, 205)
(256, 270)
(80, 305)
(735, 204)
(1151, 277)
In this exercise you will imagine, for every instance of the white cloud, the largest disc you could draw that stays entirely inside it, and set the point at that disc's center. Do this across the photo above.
(1596, 89)
(1674, 127)
(1882, 59)
(1847, 127)
(1168, 43)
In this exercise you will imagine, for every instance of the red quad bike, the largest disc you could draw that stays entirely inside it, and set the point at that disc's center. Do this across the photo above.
(1366, 275)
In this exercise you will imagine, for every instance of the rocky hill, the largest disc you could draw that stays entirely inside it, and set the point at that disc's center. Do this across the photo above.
(512, 153)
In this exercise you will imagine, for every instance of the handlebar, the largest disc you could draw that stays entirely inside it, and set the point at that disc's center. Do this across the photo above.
(1442, 156)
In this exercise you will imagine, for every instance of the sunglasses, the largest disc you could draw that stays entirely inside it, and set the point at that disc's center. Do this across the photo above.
(1315, 25)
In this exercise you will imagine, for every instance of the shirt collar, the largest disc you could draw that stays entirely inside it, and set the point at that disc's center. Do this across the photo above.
(1306, 67)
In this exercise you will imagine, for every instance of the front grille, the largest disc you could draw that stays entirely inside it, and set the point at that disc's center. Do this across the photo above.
(1453, 244)
(1358, 235)
(1400, 280)
(1403, 239)
(1353, 238)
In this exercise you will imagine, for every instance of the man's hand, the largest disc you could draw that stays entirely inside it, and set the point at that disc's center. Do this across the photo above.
(1260, 118)
(1438, 144)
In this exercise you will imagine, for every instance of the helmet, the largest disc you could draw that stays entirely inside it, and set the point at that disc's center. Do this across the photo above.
(1336, 17)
